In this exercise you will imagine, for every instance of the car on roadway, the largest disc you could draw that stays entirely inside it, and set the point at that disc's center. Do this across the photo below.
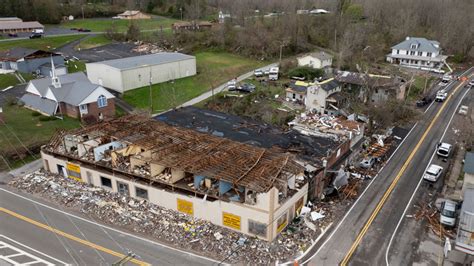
(12, 35)
(433, 173)
(444, 149)
(246, 87)
(448, 213)
(258, 73)
(441, 96)
(471, 83)
(232, 85)
(35, 36)
(367, 163)
(266, 71)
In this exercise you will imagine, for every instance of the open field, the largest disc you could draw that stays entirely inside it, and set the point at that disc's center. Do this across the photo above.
(93, 41)
(102, 24)
(7, 80)
(214, 68)
(45, 43)
(20, 122)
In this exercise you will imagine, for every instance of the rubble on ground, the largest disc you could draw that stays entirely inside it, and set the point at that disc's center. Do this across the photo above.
(152, 48)
(175, 228)
(431, 214)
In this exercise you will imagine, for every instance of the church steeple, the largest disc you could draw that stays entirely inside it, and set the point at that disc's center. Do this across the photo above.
(54, 79)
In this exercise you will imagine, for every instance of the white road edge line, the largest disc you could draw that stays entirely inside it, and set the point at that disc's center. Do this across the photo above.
(419, 183)
(362, 194)
(109, 228)
(37, 251)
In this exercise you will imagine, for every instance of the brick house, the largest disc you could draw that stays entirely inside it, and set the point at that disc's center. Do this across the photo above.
(72, 95)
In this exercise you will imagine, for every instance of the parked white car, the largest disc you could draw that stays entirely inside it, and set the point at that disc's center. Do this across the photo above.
(441, 96)
(444, 149)
(433, 173)
(463, 110)
(232, 85)
(448, 213)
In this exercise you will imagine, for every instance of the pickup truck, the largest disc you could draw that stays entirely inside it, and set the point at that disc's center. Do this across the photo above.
(441, 96)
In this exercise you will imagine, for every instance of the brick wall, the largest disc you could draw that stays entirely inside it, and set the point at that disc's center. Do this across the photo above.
(108, 112)
(69, 110)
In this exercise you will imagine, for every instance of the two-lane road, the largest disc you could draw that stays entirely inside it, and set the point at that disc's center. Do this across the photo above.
(78, 240)
(362, 237)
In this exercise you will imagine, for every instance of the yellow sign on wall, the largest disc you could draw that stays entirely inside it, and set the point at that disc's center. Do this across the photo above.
(185, 206)
(74, 171)
(231, 220)
(282, 222)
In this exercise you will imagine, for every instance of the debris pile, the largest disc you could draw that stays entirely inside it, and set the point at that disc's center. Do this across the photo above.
(431, 214)
(176, 228)
(147, 48)
(326, 126)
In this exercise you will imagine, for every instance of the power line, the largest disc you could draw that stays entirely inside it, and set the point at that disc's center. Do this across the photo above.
(22, 144)
(17, 153)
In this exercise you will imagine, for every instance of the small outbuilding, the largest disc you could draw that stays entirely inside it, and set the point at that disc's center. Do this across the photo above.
(133, 14)
(315, 60)
(129, 73)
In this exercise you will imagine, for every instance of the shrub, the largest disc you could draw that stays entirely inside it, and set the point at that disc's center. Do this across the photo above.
(35, 113)
(307, 72)
(47, 118)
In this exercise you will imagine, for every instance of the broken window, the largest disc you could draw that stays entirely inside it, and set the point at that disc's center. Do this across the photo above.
(123, 188)
(106, 182)
(141, 193)
(256, 228)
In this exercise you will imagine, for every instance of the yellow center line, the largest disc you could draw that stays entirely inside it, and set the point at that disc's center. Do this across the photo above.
(394, 183)
(71, 237)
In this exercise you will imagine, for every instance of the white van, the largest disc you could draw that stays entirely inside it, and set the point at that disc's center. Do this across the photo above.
(444, 149)
(38, 31)
(448, 213)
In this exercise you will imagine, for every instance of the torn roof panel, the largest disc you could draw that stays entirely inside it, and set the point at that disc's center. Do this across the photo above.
(197, 153)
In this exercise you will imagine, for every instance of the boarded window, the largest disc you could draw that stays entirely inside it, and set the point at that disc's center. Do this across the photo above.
(106, 182)
(256, 228)
(141, 193)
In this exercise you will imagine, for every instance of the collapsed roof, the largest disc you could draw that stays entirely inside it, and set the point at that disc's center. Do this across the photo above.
(193, 152)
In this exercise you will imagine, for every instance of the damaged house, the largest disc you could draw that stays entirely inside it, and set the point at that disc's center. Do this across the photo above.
(382, 87)
(325, 97)
(252, 190)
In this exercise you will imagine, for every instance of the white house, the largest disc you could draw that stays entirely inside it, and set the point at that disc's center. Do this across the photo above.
(134, 72)
(417, 53)
(324, 97)
(315, 60)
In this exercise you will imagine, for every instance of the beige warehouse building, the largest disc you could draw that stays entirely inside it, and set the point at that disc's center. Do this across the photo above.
(134, 72)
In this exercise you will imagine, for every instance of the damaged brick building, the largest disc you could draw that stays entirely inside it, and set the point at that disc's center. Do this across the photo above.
(317, 152)
(249, 189)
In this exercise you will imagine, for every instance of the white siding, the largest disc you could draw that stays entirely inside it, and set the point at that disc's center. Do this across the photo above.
(129, 79)
(207, 210)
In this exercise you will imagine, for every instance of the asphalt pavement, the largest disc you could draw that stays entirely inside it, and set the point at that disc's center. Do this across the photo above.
(372, 247)
(70, 237)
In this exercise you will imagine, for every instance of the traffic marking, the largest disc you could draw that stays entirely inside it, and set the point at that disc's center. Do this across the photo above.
(394, 182)
(68, 236)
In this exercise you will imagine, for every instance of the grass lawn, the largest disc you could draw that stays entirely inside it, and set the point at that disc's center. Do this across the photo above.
(76, 66)
(93, 41)
(28, 128)
(102, 24)
(46, 43)
(214, 68)
(416, 89)
(7, 80)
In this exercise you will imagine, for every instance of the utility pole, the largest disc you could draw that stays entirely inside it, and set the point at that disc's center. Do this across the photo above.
(151, 94)
(125, 259)
(181, 10)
